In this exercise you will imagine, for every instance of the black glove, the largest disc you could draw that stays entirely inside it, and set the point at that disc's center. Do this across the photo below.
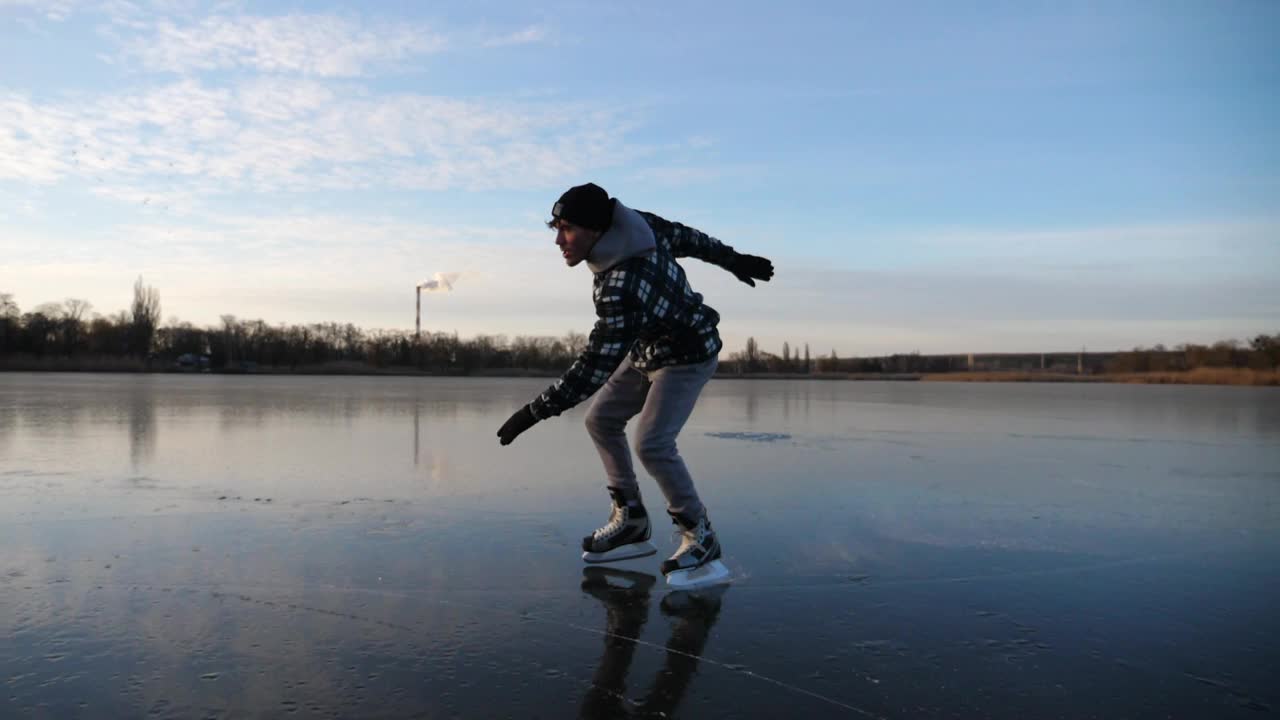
(522, 420)
(749, 268)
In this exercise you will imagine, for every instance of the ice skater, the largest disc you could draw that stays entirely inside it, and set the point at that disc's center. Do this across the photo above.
(654, 345)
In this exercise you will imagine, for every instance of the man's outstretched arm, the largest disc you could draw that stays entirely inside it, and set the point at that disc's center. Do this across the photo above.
(616, 329)
(684, 241)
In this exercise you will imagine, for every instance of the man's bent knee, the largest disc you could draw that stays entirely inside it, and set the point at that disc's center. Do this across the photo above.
(601, 426)
(656, 450)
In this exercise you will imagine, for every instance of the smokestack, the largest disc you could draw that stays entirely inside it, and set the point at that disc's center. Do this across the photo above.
(443, 282)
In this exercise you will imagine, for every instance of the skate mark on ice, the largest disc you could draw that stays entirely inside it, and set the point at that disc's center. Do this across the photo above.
(1240, 697)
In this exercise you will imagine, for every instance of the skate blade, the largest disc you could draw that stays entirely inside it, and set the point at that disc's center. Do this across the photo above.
(713, 573)
(625, 552)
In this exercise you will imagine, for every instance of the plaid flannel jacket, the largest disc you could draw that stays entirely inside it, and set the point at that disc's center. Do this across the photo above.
(645, 308)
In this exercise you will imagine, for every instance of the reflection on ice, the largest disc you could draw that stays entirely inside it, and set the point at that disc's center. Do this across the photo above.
(626, 597)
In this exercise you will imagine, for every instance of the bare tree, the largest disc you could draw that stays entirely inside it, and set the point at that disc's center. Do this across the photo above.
(9, 322)
(49, 310)
(752, 354)
(146, 317)
(42, 325)
(76, 308)
(74, 311)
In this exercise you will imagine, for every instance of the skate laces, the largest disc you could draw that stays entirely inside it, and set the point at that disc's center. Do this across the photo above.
(616, 519)
(689, 539)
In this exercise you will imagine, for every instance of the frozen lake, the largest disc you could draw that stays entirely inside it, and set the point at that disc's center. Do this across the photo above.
(218, 546)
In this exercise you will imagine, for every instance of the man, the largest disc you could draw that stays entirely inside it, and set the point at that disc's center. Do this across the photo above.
(654, 345)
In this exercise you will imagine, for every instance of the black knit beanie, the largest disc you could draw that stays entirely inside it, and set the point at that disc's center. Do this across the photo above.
(586, 206)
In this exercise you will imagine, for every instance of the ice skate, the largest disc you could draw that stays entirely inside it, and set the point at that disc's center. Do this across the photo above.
(696, 563)
(625, 536)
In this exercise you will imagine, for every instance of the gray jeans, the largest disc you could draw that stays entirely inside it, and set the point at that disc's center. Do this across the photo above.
(664, 399)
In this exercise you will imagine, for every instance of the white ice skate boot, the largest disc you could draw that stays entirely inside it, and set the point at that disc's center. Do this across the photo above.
(696, 563)
(625, 536)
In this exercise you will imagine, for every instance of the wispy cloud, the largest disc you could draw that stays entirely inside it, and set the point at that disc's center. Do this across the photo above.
(314, 45)
(171, 37)
(295, 113)
(271, 134)
(525, 36)
(55, 10)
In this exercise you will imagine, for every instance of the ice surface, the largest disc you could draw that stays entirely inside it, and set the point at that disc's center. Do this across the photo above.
(240, 546)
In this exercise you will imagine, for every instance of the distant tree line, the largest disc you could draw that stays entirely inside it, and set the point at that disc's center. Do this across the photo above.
(66, 330)
(754, 360)
(69, 330)
(1260, 353)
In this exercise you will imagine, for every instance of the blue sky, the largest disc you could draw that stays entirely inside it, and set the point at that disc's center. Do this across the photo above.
(934, 177)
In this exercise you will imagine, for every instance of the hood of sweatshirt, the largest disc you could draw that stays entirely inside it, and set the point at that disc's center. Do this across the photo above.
(627, 237)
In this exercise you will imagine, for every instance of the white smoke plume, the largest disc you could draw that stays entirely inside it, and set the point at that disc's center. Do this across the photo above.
(443, 282)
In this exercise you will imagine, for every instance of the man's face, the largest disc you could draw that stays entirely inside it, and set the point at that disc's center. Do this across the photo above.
(575, 242)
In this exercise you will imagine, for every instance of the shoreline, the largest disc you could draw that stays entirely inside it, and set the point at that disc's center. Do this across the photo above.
(1198, 376)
